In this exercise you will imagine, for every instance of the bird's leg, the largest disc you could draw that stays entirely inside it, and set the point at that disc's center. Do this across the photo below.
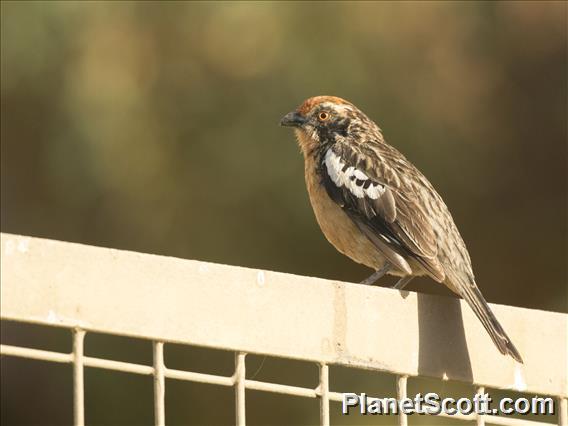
(400, 284)
(376, 275)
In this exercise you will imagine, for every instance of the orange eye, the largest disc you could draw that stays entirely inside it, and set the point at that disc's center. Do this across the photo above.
(323, 116)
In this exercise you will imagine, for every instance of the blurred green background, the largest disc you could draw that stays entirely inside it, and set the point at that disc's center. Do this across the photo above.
(153, 126)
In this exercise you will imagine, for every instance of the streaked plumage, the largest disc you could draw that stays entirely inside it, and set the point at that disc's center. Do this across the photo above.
(378, 209)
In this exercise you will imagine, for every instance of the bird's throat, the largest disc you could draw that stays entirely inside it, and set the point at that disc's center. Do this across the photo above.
(307, 143)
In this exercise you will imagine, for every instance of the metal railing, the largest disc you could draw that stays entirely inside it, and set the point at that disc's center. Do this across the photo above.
(329, 314)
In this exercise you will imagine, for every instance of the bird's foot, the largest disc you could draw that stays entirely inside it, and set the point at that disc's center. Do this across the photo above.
(376, 275)
(400, 284)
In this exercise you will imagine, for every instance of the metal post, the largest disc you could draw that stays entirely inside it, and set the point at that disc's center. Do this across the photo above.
(324, 394)
(78, 378)
(159, 384)
(563, 412)
(401, 383)
(240, 372)
(479, 418)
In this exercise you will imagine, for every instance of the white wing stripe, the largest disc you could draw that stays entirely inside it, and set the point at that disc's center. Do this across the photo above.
(349, 177)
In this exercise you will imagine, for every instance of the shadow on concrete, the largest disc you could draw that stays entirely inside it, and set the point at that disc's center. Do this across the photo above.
(442, 348)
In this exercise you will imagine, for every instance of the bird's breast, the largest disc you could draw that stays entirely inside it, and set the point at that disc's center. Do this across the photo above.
(336, 225)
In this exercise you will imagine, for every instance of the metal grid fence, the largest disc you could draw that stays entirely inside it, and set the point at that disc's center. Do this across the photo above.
(46, 268)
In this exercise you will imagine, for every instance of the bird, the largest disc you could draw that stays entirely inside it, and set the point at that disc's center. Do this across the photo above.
(374, 206)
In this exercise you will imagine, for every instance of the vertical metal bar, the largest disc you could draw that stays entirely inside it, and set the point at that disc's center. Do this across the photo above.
(563, 412)
(240, 375)
(401, 384)
(479, 418)
(324, 394)
(78, 378)
(159, 384)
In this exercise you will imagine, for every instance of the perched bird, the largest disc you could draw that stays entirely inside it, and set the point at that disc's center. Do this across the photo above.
(377, 208)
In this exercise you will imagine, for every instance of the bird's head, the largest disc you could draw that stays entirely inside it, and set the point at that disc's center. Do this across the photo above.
(322, 120)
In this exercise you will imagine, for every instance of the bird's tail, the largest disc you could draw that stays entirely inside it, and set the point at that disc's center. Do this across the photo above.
(475, 299)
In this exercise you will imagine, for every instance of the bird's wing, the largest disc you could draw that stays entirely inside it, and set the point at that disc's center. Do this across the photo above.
(390, 215)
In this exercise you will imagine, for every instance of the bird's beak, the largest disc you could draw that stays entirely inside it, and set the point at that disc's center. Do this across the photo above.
(292, 119)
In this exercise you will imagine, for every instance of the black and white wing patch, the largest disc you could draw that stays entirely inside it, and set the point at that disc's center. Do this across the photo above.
(360, 186)
(357, 182)
(390, 218)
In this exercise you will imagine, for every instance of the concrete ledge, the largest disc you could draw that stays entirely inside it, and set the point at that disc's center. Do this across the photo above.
(240, 309)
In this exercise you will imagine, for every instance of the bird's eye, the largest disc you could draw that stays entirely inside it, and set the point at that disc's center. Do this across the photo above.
(323, 116)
